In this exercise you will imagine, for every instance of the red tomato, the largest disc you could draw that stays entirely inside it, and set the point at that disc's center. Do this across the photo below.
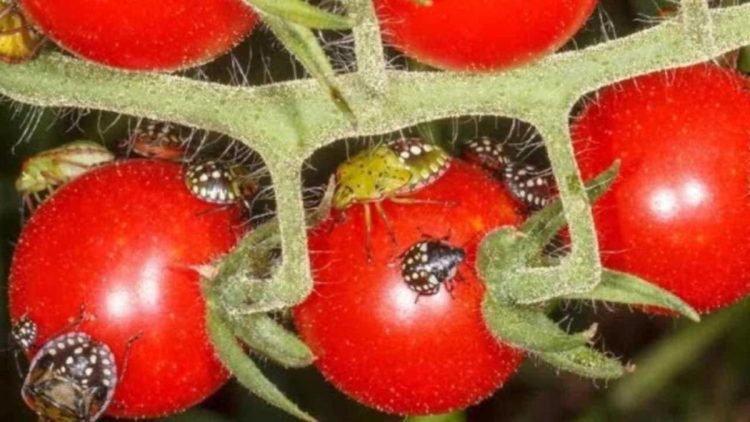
(481, 34)
(143, 35)
(120, 242)
(678, 214)
(373, 339)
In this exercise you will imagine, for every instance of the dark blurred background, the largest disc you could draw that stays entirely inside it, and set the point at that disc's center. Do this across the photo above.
(686, 372)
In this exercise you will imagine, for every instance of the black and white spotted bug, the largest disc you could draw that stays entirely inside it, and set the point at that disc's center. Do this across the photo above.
(534, 188)
(220, 183)
(72, 378)
(487, 153)
(428, 264)
(23, 333)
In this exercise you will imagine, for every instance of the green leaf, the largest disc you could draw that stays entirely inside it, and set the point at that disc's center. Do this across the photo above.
(529, 329)
(302, 43)
(585, 362)
(244, 369)
(267, 337)
(302, 13)
(619, 287)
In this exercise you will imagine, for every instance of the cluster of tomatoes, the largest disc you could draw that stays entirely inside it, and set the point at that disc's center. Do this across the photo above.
(398, 325)
(105, 275)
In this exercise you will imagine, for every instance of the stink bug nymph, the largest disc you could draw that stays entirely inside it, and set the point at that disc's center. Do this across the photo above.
(487, 153)
(534, 188)
(430, 263)
(388, 171)
(220, 183)
(19, 41)
(23, 333)
(160, 141)
(52, 168)
(71, 379)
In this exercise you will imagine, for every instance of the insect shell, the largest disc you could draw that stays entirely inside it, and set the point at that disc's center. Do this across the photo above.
(71, 379)
(487, 153)
(534, 188)
(426, 162)
(160, 141)
(57, 166)
(398, 167)
(428, 264)
(19, 41)
(220, 183)
(23, 333)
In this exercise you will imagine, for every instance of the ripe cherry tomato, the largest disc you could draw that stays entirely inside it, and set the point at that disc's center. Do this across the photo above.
(143, 35)
(374, 336)
(678, 213)
(480, 34)
(117, 246)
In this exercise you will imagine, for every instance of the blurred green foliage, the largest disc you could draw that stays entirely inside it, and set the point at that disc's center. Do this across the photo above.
(693, 373)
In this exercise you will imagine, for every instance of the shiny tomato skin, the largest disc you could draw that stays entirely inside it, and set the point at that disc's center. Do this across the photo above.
(372, 338)
(143, 35)
(678, 214)
(481, 35)
(119, 243)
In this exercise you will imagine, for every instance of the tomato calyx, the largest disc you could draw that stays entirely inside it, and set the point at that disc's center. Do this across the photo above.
(508, 251)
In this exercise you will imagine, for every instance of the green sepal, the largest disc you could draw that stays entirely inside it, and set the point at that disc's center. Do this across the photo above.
(542, 226)
(625, 288)
(302, 43)
(269, 338)
(302, 13)
(244, 369)
(508, 248)
(585, 362)
(528, 328)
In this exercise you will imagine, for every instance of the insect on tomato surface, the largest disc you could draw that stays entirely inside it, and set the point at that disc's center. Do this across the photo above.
(143, 35)
(19, 41)
(479, 34)
(120, 243)
(678, 213)
(372, 338)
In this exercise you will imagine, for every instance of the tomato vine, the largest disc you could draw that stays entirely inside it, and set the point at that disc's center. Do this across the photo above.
(286, 122)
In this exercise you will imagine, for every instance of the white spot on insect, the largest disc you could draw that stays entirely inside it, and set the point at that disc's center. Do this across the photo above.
(78, 350)
(415, 150)
(203, 178)
(93, 358)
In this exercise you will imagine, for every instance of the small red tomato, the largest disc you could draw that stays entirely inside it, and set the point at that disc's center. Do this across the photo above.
(480, 34)
(119, 243)
(380, 341)
(143, 35)
(678, 213)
